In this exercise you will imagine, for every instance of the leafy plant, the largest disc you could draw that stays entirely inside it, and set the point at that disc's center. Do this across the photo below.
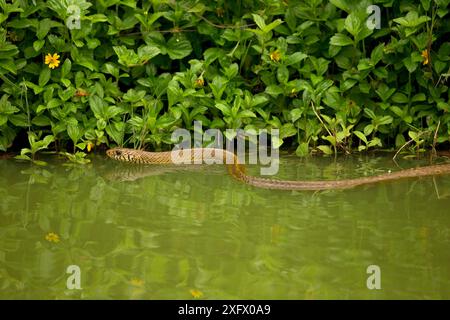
(128, 73)
(35, 145)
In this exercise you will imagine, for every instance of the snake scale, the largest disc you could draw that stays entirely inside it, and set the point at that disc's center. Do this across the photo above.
(237, 170)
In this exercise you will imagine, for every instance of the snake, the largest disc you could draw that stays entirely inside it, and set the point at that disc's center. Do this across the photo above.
(237, 170)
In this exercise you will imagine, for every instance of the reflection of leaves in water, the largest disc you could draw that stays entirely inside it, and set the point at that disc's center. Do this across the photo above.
(181, 229)
(37, 175)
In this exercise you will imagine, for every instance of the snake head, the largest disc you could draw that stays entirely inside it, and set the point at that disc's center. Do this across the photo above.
(117, 154)
(124, 154)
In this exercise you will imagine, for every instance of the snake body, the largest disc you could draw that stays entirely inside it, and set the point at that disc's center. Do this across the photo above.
(237, 170)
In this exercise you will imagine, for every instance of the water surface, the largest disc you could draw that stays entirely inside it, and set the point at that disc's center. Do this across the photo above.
(175, 233)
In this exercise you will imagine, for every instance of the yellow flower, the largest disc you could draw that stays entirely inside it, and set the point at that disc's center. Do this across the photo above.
(137, 282)
(196, 293)
(52, 61)
(275, 56)
(199, 82)
(90, 145)
(426, 56)
(52, 237)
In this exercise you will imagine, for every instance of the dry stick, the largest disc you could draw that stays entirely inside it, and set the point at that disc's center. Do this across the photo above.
(401, 148)
(433, 152)
(320, 119)
(444, 75)
(323, 123)
(224, 26)
(396, 163)
(158, 31)
(436, 188)
(407, 143)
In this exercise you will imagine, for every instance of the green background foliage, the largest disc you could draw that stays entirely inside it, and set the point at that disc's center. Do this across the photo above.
(137, 70)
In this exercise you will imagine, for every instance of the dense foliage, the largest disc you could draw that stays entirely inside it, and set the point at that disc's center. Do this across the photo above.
(129, 72)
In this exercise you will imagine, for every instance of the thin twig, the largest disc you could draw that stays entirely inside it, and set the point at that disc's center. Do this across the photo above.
(436, 188)
(407, 143)
(326, 128)
(433, 148)
(224, 26)
(320, 119)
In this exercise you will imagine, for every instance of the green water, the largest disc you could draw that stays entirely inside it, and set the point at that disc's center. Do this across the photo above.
(175, 230)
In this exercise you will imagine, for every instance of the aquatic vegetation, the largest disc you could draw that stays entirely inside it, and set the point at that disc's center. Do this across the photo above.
(162, 235)
(35, 145)
(330, 75)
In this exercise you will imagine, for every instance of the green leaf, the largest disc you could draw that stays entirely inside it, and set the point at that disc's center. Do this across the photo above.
(43, 28)
(96, 104)
(276, 142)
(133, 95)
(44, 76)
(365, 64)
(38, 44)
(272, 25)
(340, 40)
(400, 98)
(287, 130)
(370, 113)
(146, 53)
(127, 57)
(112, 69)
(384, 120)
(74, 133)
(342, 4)
(325, 149)
(231, 71)
(377, 54)
(410, 64)
(247, 114)
(3, 119)
(115, 131)
(399, 140)
(413, 135)
(296, 114)
(361, 136)
(212, 54)
(419, 97)
(218, 86)
(97, 18)
(178, 48)
(274, 90)
(23, 156)
(226, 110)
(384, 92)
(66, 67)
(8, 64)
(258, 99)
(368, 129)
(41, 121)
(283, 74)
(412, 20)
(302, 150)
(353, 24)
(294, 58)
(259, 21)
(174, 93)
